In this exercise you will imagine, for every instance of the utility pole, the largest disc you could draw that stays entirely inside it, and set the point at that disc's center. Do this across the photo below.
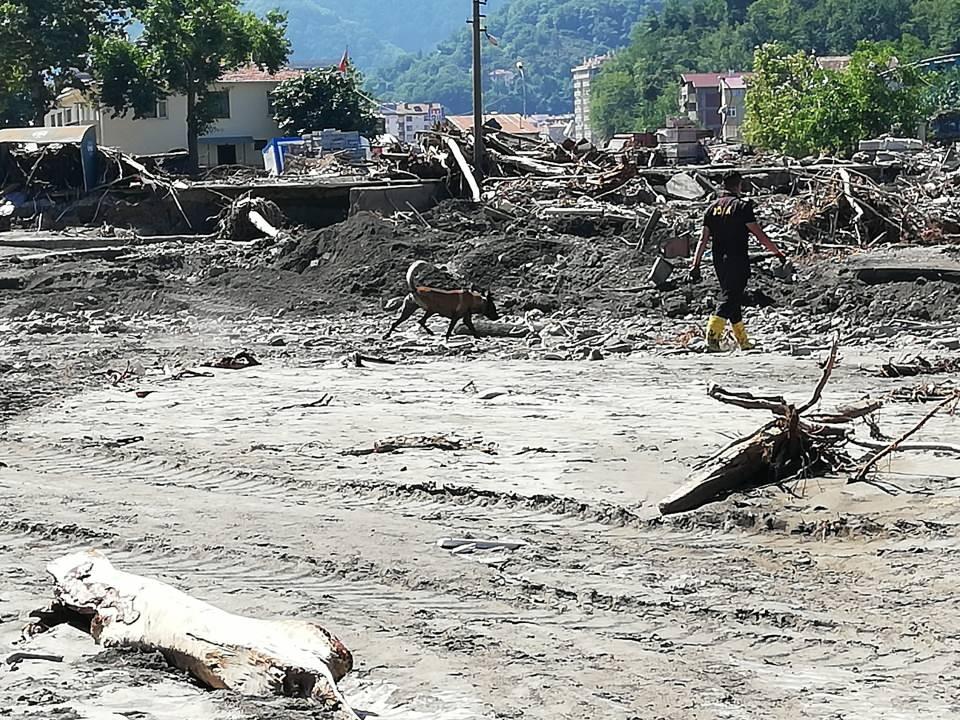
(477, 90)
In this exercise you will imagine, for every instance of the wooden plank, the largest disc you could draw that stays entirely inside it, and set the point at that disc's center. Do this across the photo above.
(464, 168)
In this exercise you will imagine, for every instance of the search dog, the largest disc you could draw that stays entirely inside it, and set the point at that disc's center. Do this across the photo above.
(456, 305)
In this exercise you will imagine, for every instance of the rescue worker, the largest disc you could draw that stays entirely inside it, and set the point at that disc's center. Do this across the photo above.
(728, 223)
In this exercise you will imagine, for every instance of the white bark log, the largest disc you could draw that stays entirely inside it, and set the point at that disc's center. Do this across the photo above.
(261, 224)
(224, 651)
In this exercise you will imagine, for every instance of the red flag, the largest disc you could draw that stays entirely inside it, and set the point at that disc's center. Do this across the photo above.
(344, 61)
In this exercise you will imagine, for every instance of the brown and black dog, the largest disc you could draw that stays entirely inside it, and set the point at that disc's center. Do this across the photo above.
(454, 304)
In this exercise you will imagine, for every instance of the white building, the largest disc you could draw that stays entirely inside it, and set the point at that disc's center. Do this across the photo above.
(582, 78)
(244, 120)
(405, 120)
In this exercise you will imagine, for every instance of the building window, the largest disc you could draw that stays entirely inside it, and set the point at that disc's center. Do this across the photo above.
(68, 115)
(259, 145)
(219, 104)
(157, 111)
(271, 107)
(731, 112)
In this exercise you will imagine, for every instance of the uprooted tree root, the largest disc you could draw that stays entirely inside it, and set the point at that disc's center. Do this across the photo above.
(794, 445)
(788, 447)
(249, 218)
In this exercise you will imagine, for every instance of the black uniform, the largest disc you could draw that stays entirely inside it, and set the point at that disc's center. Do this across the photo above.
(727, 220)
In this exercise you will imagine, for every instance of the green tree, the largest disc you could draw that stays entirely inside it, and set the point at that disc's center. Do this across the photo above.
(43, 46)
(937, 23)
(797, 108)
(324, 98)
(185, 46)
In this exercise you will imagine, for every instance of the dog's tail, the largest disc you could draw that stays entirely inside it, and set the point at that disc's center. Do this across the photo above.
(412, 273)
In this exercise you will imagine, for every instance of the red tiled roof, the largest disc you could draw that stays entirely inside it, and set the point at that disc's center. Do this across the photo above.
(702, 80)
(255, 74)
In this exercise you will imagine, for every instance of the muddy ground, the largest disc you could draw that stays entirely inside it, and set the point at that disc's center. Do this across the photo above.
(820, 600)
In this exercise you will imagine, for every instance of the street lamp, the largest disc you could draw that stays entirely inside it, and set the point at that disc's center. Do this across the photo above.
(523, 83)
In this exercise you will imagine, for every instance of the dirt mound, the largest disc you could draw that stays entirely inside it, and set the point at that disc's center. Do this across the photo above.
(593, 264)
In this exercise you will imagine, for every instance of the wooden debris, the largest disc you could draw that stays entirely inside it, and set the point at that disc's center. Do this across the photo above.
(919, 366)
(324, 401)
(14, 659)
(251, 656)
(357, 359)
(786, 448)
(924, 392)
(241, 360)
(422, 442)
(249, 218)
(475, 544)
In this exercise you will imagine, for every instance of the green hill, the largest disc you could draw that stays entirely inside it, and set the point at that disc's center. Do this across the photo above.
(549, 36)
(378, 33)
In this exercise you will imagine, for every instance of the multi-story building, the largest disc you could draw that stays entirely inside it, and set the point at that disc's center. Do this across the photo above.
(583, 75)
(405, 120)
(715, 102)
(733, 106)
(242, 107)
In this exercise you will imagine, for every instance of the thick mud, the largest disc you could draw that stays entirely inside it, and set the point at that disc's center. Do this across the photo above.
(816, 600)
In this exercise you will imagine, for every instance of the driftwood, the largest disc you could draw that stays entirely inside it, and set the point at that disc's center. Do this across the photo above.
(786, 448)
(792, 446)
(422, 442)
(224, 651)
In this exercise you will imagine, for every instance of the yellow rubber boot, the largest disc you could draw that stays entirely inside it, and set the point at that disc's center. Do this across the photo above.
(740, 333)
(715, 327)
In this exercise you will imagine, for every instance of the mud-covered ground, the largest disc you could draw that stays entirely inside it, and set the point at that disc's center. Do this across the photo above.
(821, 600)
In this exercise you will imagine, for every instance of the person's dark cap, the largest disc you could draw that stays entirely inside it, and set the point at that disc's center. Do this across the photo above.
(732, 180)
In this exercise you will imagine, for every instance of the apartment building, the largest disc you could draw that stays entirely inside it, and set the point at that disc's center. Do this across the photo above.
(583, 76)
(405, 120)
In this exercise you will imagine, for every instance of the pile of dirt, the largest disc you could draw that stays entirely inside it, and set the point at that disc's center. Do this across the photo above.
(594, 265)
(591, 264)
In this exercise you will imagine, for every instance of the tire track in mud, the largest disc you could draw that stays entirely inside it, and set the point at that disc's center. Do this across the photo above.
(242, 570)
(706, 528)
(562, 594)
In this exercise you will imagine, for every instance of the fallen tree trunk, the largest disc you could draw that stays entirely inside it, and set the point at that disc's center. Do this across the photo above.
(224, 651)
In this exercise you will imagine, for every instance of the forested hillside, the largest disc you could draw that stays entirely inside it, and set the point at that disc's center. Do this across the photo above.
(549, 36)
(638, 88)
(377, 32)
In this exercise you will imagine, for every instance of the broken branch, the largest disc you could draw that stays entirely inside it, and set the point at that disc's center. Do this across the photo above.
(896, 444)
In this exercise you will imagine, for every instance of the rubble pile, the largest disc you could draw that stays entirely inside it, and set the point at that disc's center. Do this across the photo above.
(810, 205)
